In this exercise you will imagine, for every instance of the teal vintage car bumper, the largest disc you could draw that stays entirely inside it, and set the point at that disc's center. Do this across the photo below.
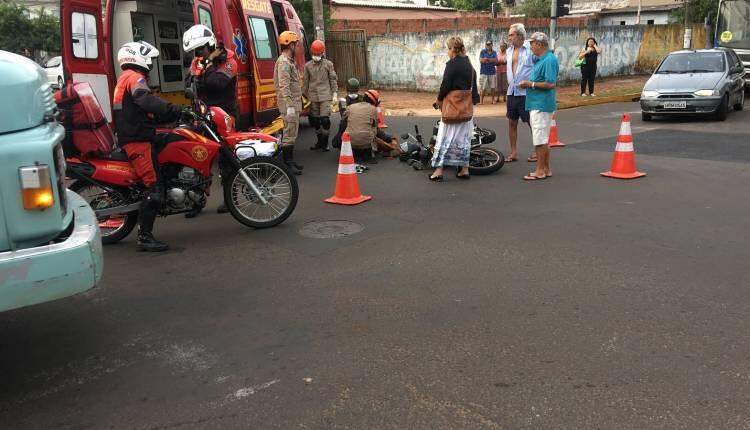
(49, 272)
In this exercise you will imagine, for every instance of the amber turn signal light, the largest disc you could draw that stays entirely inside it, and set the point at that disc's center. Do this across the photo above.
(36, 187)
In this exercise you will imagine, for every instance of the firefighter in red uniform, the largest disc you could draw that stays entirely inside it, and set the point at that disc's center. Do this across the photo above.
(137, 112)
(214, 73)
(213, 70)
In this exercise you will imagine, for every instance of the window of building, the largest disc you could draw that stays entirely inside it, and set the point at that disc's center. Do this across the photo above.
(83, 33)
(622, 22)
(265, 45)
(650, 22)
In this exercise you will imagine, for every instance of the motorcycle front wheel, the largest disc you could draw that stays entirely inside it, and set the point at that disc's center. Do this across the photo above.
(114, 228)
(485, 160)
(275, 183)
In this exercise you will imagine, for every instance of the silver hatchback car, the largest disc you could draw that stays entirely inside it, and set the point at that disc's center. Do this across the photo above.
(705, 81)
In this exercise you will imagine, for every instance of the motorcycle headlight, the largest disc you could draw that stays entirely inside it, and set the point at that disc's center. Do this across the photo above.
(705, 93)
(649, 94)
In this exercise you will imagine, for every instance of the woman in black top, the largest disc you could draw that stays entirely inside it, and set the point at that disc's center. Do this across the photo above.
(590, 53)
(453, 142)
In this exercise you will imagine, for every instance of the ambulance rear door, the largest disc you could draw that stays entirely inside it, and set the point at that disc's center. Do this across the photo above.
(257, 21)
(85, 48)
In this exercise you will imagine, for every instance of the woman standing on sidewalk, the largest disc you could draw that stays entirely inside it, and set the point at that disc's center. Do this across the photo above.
(590, 53)
(458, 94)
(502, 71)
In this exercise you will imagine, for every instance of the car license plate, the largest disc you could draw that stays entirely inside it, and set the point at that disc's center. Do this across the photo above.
(675, 105)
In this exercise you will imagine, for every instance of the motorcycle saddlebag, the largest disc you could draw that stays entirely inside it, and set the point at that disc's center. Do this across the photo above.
(87, 131)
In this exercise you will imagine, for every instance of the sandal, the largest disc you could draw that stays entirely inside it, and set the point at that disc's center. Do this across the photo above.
(533, 177)
(438, 178)
(511, 159)
(460, 176)
(532, 159)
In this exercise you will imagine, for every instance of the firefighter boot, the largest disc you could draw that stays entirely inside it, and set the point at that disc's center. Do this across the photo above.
(287, 153)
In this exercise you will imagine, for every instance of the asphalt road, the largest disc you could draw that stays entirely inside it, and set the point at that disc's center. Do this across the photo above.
(576, 302)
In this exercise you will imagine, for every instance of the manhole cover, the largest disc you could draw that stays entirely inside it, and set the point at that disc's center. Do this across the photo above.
(330, 229)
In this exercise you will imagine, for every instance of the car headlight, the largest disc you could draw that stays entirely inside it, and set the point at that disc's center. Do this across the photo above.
(705, 93)
(648, 94)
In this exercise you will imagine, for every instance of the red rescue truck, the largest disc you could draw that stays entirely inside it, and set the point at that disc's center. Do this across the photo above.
(92, 34)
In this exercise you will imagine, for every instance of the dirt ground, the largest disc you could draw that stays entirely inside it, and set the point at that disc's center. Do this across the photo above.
(413, 103)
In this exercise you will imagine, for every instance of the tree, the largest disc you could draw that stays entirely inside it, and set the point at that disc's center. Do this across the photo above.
(536, 8)
(305, 13)
(46, 32)
(18, 31)
(474, 5)
(15, 28)
(699, 11)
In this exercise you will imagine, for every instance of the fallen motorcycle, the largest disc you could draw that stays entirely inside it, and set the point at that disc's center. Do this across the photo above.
(483, 160)
(259, 190)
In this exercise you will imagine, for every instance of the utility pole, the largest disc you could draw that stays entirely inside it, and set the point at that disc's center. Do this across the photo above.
(638, 15)
(688, 29)
(317, 6)
(553, 26)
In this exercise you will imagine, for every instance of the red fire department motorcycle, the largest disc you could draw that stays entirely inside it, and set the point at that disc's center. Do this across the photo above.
(259, 190)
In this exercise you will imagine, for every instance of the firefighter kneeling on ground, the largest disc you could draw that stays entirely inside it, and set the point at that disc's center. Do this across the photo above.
(214, 73)
(136, 113)
(352, 96)
(320, 86)
(286, 80)
(362, 125)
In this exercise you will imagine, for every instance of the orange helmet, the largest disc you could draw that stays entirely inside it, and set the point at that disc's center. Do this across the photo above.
(373, 96)
(317, 47)
(286, 38)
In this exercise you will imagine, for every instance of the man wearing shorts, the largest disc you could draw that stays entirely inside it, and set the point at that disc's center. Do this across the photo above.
(487, 72)
(540, 102)
(520, 64)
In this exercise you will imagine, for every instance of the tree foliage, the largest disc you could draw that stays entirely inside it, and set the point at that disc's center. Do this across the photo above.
(305, 13)
(536, 8)
(473, 5)
(18, 31)
(699, 10)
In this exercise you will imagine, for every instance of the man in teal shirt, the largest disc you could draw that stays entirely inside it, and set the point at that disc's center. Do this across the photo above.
(540, 101)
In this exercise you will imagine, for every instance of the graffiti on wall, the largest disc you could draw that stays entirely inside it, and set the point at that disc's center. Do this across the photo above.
(417, 60)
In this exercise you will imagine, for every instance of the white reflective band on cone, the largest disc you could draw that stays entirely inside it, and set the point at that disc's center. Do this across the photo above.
(625, 128)
(624, 147)
(347, 169)
(346, 148)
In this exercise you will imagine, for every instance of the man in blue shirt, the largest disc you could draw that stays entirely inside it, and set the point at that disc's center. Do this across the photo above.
(540, 102)
(519, 68)
(488, 71)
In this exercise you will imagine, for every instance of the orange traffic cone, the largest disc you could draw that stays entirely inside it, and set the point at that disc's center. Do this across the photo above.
(553, 141)
(347, 186)
(381, 118)
(623, 163)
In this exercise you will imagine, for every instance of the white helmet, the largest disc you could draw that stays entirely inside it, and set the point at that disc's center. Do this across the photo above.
(138, 54)
(197, 36)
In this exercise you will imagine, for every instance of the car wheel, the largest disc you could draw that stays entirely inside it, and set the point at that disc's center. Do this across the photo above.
(646, 116)
(59, 82)
(741, 105)
(723, 109)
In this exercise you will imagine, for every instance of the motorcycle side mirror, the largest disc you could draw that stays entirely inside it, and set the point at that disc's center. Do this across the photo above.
(201, 107)
(405, 136)
(189, 94)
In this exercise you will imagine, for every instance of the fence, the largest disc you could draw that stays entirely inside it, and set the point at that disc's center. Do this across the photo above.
(417, 60)
(348, 51)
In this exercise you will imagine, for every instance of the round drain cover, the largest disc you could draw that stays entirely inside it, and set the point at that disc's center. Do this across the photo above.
(333, 229)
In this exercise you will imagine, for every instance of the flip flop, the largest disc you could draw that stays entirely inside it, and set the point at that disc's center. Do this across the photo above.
(438, 178)
(510, 160)
(532, 177)
(532, 160)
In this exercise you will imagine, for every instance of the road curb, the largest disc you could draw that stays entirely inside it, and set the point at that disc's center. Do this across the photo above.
(631, 97)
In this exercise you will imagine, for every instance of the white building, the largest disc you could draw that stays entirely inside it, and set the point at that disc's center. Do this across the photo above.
(627, 12)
